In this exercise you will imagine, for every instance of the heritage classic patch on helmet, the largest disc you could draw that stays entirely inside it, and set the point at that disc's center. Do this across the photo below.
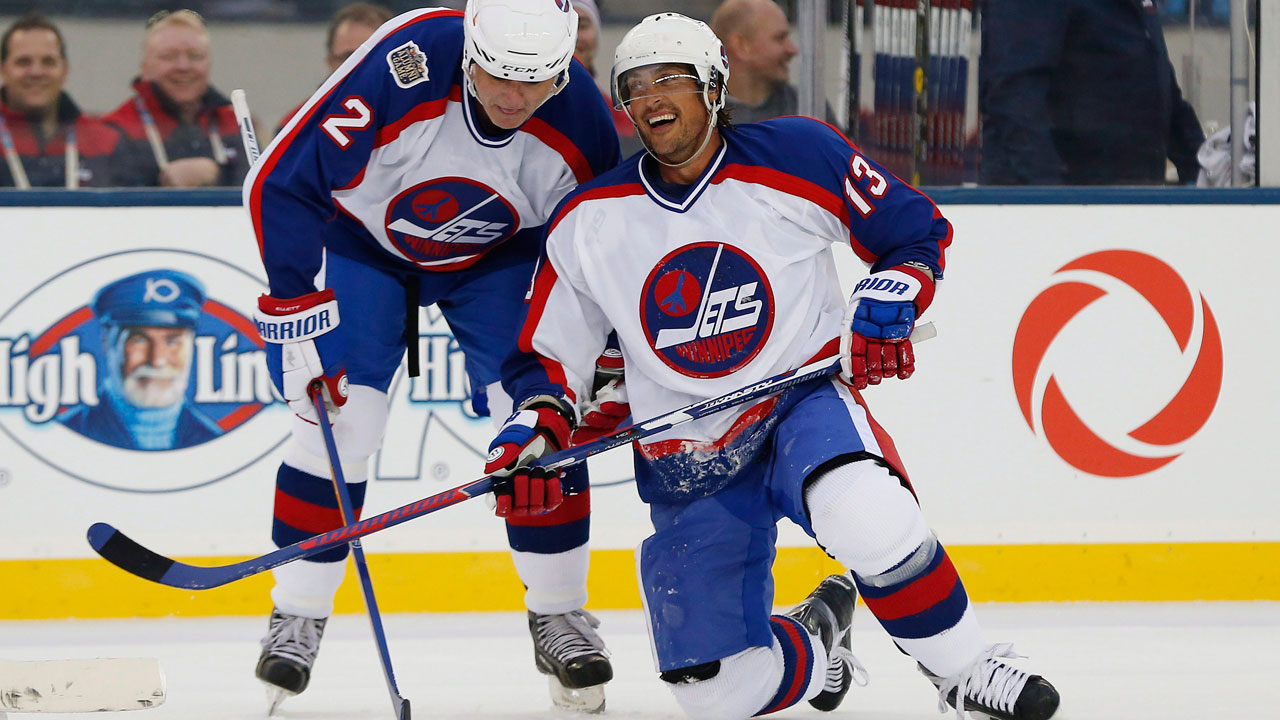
(707, 309)
(447, 219)
(408, 65)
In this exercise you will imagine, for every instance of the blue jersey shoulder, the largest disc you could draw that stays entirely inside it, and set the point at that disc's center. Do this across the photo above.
(422, 50)
(580, 113)
(796, 145)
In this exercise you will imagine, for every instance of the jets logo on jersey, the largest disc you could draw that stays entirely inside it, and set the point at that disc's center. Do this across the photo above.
(707, 309)
(446, 220)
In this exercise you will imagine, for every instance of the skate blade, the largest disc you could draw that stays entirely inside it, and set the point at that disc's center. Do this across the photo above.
(275, 696)
(583, 700)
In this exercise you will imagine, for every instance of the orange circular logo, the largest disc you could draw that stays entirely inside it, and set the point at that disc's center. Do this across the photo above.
(1183, 416)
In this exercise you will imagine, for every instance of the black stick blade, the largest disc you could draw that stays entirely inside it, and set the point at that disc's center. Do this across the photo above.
(119, 550)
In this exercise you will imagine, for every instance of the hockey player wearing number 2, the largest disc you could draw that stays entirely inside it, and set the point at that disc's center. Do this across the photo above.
(421, 172)
(711, 257)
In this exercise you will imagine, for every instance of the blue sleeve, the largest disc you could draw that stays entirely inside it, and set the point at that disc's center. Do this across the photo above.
(1022, 45)
(582, 115)
(889, 221)
(289, 194)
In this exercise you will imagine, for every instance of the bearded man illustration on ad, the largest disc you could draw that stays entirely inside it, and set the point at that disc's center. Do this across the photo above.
(148, 324)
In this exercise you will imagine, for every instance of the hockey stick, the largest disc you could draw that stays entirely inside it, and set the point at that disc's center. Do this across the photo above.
(118, 549)
(398, 703)
(80, 686)
(240, 104)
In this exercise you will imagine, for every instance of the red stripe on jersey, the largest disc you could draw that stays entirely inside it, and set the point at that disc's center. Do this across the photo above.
(561, 143)
(420, 113)
(305, 516)
(945, 242)
(918, 596)
(789, 184)
(663, 448)
(542, 287)
(269, 163)
(573, 509)
(610, 191)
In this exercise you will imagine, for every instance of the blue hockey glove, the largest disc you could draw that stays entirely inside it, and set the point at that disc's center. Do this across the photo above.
(875, 335)
(302, 349)
(541, 426)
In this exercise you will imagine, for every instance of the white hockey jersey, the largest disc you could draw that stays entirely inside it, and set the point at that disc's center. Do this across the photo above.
(718, 285)
(387, 164)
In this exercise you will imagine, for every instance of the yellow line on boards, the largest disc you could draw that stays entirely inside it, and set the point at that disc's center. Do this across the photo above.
(486, 581)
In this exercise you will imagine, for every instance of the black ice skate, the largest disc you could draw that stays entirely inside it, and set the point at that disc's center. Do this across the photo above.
(288, 652)
(996, 689)
(828, 613)
(567, 648)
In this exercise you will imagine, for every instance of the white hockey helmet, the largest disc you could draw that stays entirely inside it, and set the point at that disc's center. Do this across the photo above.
(524, 40)
(674, 38)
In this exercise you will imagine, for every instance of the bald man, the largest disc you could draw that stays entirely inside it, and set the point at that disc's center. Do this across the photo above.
(757, 37)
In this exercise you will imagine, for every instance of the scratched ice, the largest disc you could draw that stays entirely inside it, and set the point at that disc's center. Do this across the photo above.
(1180, 661)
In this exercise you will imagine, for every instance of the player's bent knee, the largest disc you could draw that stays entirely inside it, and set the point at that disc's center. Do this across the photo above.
(734, 688)
(357, 431)
(863, 516)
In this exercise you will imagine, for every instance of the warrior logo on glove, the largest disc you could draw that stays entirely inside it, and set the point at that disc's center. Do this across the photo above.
(707, 309)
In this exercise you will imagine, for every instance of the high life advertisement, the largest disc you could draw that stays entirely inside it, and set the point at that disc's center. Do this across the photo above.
(1101, 375)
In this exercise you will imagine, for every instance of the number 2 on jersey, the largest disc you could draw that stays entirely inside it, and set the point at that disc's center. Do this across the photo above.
(859, 168)
(337, 126)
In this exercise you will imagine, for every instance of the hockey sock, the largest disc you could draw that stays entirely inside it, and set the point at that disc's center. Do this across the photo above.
(804, 664)
(306, 505)
(550, 550)
(868, 521)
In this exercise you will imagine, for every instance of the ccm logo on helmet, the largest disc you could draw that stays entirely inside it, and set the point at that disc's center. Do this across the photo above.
(518, 69)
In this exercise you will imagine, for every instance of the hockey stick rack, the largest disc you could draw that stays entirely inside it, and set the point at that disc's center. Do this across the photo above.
(128, 555)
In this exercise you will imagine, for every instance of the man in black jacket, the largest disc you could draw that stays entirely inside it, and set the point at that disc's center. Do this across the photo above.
(1081, 92)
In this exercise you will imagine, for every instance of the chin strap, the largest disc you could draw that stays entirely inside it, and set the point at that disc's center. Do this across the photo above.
(711, 126)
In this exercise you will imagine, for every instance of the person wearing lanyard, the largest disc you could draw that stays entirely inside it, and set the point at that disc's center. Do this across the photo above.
(46, 140)
(181, 131)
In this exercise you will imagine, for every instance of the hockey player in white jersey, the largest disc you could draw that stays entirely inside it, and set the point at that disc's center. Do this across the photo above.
(422, 172)
(711, 257)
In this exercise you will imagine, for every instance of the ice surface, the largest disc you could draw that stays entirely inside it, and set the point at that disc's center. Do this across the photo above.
(1132, 661)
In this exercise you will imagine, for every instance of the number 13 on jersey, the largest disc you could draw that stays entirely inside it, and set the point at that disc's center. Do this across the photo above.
(876, 185)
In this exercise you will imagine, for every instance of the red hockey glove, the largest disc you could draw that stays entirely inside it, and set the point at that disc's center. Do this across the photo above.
(875, 338)
(302, 349)
(608, 407)
(541, 426)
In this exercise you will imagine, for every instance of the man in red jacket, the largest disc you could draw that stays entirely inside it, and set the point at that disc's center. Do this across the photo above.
(182, 131)
(46, 140)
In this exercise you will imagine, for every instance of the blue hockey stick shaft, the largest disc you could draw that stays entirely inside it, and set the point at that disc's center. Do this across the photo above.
(125, 553)
(398, 703)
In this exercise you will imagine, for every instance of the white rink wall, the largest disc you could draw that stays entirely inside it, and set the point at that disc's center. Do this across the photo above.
(985, 476)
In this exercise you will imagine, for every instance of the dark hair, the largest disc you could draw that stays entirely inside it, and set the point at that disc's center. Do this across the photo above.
(31, 21)
(361, 13)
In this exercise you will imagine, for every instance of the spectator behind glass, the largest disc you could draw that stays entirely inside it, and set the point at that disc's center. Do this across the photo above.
(585, 53)
(182, 131)
(757, 38)
(1081, 92)
(348, 29)
(47, 141)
